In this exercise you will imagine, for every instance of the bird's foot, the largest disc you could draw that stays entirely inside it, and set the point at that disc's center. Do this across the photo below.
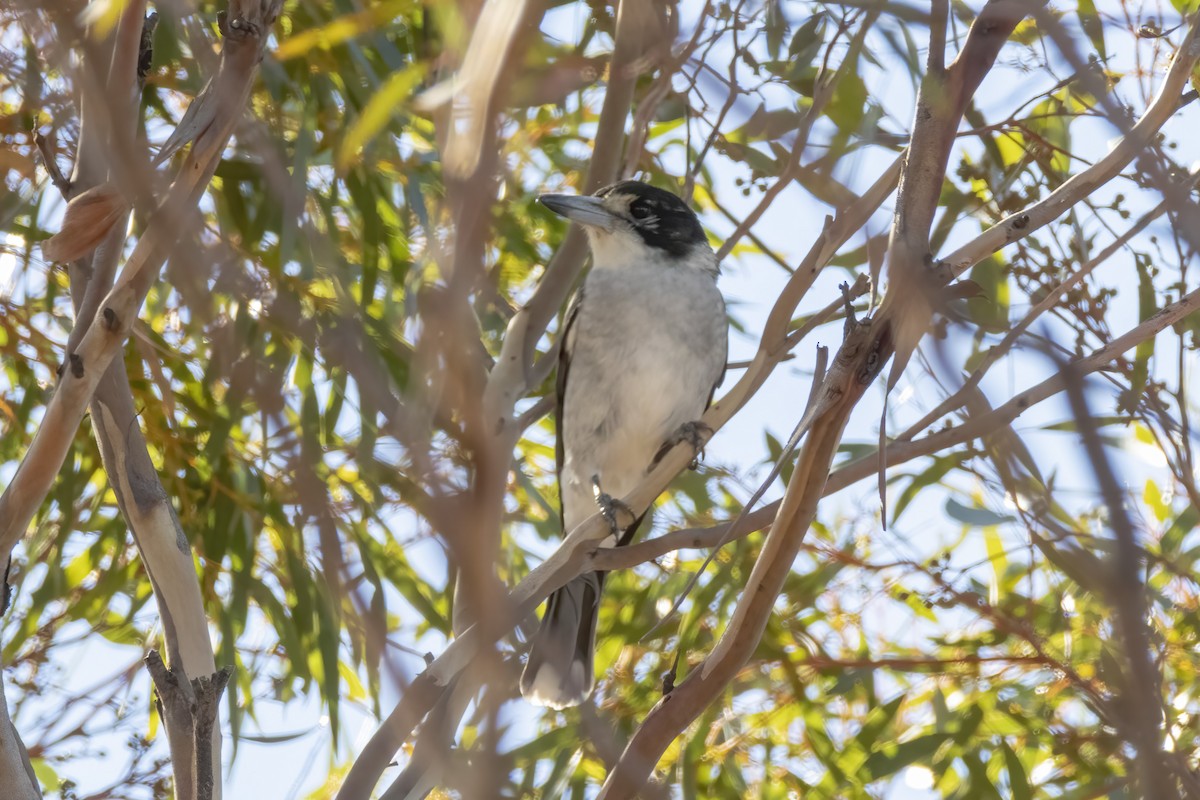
(611, 508)
(695, 433)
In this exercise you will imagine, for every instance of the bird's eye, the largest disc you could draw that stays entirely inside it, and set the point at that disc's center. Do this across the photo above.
(639, 211)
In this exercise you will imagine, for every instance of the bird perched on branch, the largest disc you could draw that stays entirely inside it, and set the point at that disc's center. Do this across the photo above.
(643, 349)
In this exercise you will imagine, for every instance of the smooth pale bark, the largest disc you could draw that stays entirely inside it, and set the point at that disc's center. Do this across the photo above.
(95, 374)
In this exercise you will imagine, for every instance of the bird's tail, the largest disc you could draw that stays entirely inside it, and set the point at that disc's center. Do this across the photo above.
(559, 671)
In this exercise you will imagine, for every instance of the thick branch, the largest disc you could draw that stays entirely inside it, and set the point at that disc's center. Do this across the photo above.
(940, 106)
(152, 520)
(140, 495)
(913, 293)
(189, 709)
(859, 360)
(16, 771)
(245, 40)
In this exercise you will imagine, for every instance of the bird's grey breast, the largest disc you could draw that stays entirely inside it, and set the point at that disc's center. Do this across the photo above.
(648, 345)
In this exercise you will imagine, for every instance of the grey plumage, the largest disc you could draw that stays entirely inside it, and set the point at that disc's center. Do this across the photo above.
(644, 348)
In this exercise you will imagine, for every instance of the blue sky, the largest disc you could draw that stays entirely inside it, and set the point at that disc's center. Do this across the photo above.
(299, 765)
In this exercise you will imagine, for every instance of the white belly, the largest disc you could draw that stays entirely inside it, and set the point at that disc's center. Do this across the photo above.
(643, 362)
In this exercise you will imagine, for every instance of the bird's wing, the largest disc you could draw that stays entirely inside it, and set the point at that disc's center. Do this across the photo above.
(724, 366)
(713, 391)
(560, 391)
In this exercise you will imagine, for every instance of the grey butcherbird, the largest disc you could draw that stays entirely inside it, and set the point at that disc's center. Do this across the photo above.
(643, 350)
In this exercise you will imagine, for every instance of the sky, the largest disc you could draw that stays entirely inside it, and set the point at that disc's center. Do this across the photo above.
(299, 765)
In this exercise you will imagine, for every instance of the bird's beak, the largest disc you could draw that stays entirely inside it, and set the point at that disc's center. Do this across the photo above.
(584, 209)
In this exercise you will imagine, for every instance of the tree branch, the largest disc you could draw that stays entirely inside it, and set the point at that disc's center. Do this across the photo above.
(1019, 225)
(847, 380)
(189, 710)
(568, 559)
(900, 452)
(1143, 706)
(245, 40)
(102, 324)
(509, 379)
(1051, 299)
(16, 771)
(913, 294)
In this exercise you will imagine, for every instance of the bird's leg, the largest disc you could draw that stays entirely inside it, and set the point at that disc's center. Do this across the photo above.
(694, 433)
(610, 507)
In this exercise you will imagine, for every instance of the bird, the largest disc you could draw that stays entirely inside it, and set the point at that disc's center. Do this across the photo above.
(643, 349)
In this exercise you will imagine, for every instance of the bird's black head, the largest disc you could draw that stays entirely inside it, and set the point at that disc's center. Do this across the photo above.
(660, 219)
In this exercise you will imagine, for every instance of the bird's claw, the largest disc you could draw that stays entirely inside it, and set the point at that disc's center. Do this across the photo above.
(610, 507)
(695, 433)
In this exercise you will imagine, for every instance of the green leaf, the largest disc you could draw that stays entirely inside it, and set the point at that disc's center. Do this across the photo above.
(46, 775)
(996, 556)
(342, 29)
(892, 757)
(775, 24)
(1184, 524)
(877, 721)
(1050, 121)
(968, 722)
(118, 631)
(939, 469)
(1093, 26)
(1018, 780)
(393, 95)
(1152, 496)
(848, 103)
(1145, 349)
(1072, 425)
(990, 310)
(807, 40)
(975, 516)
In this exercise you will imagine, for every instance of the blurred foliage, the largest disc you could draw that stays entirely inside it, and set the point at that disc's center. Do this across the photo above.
(268, 361)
